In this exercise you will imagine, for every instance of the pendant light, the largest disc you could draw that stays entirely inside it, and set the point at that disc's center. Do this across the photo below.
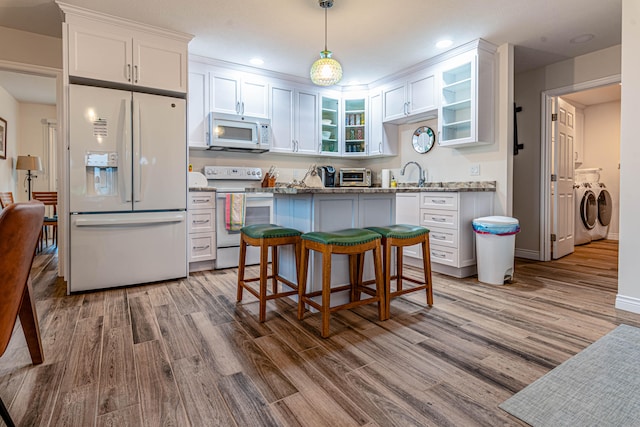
(326, 71)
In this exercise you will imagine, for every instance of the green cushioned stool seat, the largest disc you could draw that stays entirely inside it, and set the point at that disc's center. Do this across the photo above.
(267, 231)
(400, 231)
(354, 243)
(399, 236)
(348, 237)
(265, 237)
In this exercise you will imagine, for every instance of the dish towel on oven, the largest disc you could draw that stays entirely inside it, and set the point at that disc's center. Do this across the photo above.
(234, 210)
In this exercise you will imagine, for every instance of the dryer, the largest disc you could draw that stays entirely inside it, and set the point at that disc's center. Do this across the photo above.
(605, 210)
(586, 213)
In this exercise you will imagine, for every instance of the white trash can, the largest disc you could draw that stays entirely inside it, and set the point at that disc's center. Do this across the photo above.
(495, 248)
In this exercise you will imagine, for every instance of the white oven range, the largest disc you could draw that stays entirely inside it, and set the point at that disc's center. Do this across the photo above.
(258, 210)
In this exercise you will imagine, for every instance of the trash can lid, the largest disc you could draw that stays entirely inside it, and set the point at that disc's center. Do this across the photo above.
(500, 225)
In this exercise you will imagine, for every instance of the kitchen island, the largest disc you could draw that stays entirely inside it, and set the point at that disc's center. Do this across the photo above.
(330, 209)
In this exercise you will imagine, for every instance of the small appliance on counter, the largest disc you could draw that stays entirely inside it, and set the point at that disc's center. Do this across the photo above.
(327, 175)
(196, 179)
(355, 177)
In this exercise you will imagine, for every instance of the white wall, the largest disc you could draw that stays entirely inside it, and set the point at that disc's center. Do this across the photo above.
(9, 109)
(527, 169)
(628, 284)
(602, 150)
(30, 48)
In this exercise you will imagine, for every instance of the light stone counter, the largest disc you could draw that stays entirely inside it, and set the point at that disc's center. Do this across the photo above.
(428, 187)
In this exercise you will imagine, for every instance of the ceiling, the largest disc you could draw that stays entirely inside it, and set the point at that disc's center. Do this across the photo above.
(372, 39)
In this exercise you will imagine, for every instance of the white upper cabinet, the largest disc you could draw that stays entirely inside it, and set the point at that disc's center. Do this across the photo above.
(198, 106)
(408, 98)
(294, 119)
(467, 99)
(307, 118)
(383, 138)
(281, 112)
(117, 53)
(239, 93)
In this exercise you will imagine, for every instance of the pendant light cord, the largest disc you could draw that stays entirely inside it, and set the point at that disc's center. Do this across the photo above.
(325, 27)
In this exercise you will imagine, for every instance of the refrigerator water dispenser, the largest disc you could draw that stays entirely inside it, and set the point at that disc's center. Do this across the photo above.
(102, 173)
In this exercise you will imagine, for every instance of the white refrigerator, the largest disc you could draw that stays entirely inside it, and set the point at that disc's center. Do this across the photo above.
(127, 188)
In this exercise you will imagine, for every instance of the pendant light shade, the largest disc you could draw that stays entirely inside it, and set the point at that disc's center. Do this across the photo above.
(326, 71)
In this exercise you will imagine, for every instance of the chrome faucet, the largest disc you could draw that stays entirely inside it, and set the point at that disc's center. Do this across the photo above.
(421, 177)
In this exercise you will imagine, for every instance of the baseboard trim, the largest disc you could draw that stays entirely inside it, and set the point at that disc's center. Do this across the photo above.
(628, 303)
(613, 236)
(527, 254)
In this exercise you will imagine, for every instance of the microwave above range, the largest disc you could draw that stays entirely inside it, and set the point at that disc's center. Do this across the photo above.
(230, 132)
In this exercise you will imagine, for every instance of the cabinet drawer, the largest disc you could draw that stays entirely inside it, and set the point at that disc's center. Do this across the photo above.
(448, 201)
(202, 199)
(443, 237)
(201, 221)
(444, 255)
(439, 219)
(202, 246)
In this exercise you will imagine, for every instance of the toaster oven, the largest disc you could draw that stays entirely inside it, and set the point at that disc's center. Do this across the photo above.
(355, 177)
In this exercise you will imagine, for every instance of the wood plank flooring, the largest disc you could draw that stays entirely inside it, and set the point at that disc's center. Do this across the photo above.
(183, 353)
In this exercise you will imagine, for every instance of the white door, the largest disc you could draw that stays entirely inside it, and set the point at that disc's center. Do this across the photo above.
(281, 119)
(563, 202)
(99, 149)
(159, 153)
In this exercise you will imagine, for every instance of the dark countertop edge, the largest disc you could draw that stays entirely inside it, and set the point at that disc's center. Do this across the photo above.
(196, 189)
(431, 187)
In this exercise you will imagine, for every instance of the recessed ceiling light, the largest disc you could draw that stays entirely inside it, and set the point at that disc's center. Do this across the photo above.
(443, 44)
(582, 38)
(256, 61)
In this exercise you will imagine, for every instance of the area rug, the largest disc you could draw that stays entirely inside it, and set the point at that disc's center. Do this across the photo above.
(600, 386)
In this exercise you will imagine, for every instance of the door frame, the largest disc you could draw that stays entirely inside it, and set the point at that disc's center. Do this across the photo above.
(39, 70)
(546, 151)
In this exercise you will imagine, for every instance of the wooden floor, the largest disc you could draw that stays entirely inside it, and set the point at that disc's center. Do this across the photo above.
(182, 353)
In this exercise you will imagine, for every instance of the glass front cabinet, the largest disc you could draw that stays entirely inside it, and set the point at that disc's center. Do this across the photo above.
(467, 99)
(354, 126)
(330, 129)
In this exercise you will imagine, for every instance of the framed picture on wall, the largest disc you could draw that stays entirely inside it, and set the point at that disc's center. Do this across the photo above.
(3, 138)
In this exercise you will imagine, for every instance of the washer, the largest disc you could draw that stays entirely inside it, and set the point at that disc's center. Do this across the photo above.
(586, 213)
(605, 211)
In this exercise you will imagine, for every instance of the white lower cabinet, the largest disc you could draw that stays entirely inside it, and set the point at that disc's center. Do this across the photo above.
(202, 230)
(448, 217)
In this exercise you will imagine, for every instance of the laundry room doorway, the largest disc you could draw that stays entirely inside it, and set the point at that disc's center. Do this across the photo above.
(594, 153)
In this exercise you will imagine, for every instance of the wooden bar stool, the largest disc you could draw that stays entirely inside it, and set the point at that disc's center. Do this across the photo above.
(354, 242)
(267, 236)
(398, 236)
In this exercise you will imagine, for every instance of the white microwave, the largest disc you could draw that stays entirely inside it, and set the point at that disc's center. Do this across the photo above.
(228, 132)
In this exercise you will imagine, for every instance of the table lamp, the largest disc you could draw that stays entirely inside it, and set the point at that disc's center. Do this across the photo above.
(29, 163)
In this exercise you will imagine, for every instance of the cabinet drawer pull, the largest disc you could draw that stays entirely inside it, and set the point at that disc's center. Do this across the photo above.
(200, 221)
(438, 201)
(438, 255)
(439, 237)
(437, 219)
(201, 200)
(201, 248)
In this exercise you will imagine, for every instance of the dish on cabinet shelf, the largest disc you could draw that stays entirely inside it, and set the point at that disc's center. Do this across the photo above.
(326, 134)
(326, 121)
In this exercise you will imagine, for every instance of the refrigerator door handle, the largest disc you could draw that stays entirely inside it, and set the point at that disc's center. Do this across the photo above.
(137, 152)
(118, 222)
(126, 149)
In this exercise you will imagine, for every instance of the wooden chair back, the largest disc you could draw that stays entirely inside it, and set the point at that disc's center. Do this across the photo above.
(49, 198)
(6, 199)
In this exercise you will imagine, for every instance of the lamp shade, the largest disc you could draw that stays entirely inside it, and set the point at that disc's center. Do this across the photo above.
(29, 163)
(326, 71)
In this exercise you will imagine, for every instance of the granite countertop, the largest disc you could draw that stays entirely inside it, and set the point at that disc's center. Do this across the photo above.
(196, 189)
(428, 187)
